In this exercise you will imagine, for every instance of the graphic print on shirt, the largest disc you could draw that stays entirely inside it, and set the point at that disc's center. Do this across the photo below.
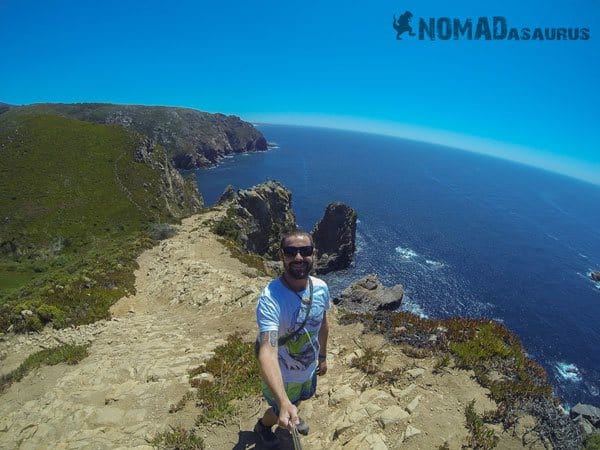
(300, 351)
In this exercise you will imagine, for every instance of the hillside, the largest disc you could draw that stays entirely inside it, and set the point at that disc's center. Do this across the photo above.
(78, 201)
(191, 138)
(134, 387)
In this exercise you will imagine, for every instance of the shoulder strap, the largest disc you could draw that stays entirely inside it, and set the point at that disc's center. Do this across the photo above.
(285, 339)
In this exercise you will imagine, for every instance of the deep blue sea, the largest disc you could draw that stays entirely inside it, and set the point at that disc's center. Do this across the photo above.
(465, 234)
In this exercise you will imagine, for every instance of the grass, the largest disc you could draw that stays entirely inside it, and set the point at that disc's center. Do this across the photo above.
(236, 375)
(68, 354)
(177, 438)
(77, 209)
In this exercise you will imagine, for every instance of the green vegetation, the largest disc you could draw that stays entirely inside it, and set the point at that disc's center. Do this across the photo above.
(592, 442)
(178, 439)
(496, 356)
(250, 259)
(236, 375)
(68, 353)
(76, 208)
(481, 437)
(227, 226)
(370, 362)
(181, 131)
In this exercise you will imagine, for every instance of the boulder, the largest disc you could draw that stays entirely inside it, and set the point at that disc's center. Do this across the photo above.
(368, 295)
(586, 427)
(335, 238)
(589, 412)
(596, 276)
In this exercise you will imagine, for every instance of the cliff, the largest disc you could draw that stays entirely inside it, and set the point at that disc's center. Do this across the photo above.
(78, 202)
(191, 138)
(164, 369)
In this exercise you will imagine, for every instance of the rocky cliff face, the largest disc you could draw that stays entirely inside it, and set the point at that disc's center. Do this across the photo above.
(335, 238)
(192, 138)
(368, 295)
(181, 196)
(258, 216)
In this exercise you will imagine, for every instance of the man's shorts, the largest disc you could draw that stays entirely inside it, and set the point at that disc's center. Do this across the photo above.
(296, 392)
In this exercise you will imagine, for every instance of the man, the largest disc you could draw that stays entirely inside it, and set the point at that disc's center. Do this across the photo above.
(293, 330)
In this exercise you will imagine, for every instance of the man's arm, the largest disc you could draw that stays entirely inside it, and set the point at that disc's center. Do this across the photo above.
(271, 374)
(323, 335)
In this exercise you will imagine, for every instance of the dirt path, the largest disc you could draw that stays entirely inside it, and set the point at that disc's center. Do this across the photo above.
(190, 296)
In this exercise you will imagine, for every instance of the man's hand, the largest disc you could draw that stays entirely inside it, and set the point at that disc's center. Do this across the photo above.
(322, 367)
(288, 416)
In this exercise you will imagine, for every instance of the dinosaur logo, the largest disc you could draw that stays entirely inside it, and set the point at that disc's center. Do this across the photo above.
(402, 24)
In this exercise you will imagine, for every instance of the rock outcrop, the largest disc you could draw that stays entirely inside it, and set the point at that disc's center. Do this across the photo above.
(258, 216)
(368, 295)
(227, 194)
(181, 195)
(335, 238)
(587, 417)
(596, 276)
(191, 138)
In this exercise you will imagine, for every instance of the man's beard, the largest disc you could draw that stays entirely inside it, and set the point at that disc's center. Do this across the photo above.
(299, 272)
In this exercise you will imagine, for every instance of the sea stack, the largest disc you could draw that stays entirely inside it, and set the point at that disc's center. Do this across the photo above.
(335, 238)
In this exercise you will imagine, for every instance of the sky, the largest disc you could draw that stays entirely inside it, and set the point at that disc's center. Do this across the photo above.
(329, 63)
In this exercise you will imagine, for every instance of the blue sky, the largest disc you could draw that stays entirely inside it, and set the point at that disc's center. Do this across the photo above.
(331, 63)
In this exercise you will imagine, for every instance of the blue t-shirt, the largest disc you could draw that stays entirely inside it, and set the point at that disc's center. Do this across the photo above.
(280, 309)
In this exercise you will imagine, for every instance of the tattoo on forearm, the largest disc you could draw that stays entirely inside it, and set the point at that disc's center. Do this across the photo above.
(270, 336)
(273, 338)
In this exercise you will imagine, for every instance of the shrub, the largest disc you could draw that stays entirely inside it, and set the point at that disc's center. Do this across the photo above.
(227, 227)
(178, 438)
(592, 442)
(370, 362)
(53, 314)
(481, 437)
(236, 375)
(161, 231)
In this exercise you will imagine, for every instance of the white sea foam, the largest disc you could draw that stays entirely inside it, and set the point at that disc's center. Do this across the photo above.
(583, 256)
(568, 371)
(434, 264)
(406, 253)
(412, 307)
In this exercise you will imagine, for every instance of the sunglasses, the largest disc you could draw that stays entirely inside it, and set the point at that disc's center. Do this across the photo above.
(293, 251)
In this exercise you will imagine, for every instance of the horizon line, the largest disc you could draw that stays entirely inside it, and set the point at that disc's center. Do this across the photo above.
(562, 165)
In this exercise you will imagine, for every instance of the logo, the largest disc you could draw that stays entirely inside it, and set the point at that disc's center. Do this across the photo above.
(402, 24)
(483, 28)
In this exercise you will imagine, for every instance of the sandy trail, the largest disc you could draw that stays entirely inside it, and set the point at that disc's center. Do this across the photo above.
(191, 294)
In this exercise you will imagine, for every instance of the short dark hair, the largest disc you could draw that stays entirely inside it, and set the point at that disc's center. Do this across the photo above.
(295, 233)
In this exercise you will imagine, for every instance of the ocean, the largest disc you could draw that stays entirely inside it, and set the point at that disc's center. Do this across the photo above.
(465, 234)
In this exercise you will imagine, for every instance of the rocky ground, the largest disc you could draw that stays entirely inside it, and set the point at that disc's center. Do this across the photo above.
(191, 294)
